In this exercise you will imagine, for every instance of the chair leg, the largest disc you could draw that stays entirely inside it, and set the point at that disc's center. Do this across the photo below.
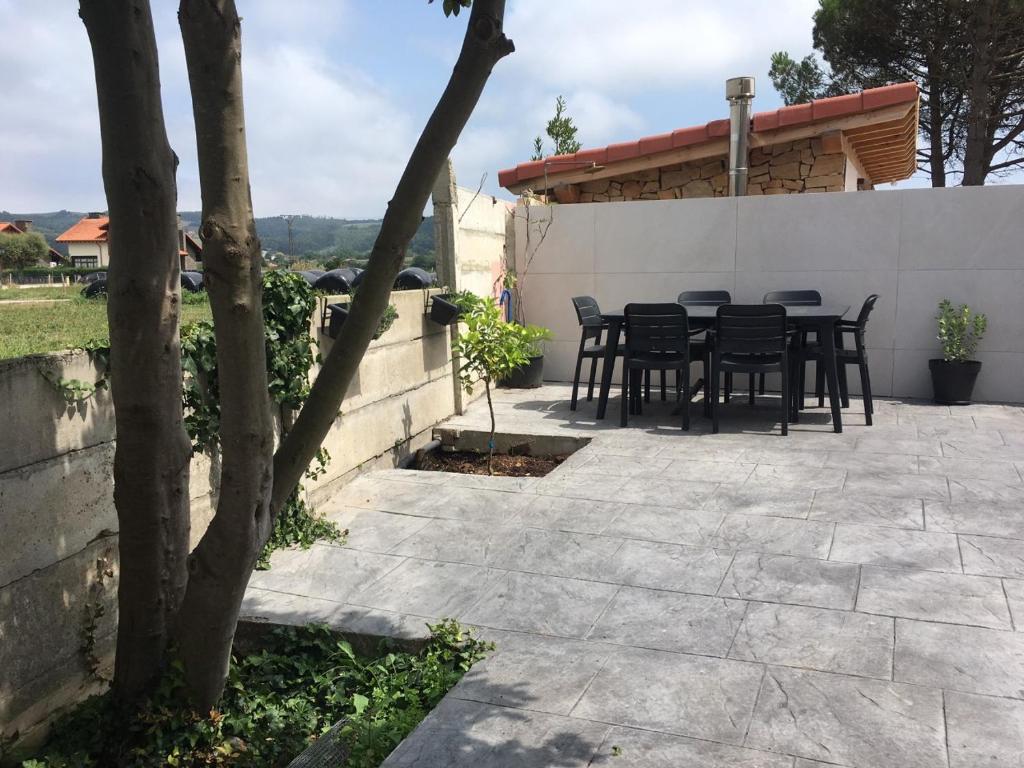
(786, 384)
(647, 385)
(576, 378)
(751, 398)
(593, 378)
(799, 383)
(623, 416)
(794, 403)
(713, 392)
(819, 382)
(728, 386)
(663, 374)
(683, 394)
(844, 389)
(865, 386)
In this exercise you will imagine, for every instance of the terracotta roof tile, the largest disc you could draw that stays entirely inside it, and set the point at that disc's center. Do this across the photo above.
(87, 231)
(784, 117)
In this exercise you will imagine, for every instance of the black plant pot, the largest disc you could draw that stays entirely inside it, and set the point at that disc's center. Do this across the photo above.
(953, 383)
(530, 376)
(442, 311)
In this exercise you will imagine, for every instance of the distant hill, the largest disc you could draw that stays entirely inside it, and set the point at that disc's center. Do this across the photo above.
(318, 238)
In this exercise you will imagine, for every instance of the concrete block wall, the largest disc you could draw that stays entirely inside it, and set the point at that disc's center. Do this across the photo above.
(58, 526)
(912, 247)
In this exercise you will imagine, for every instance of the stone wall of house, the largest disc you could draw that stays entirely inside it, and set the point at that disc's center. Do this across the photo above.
(808, 165)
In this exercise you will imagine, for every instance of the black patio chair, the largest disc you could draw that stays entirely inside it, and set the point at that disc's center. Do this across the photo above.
(800, 298)
(845, 356)
(751, 338)
(701, 346)
(592, 327)
(657, 339)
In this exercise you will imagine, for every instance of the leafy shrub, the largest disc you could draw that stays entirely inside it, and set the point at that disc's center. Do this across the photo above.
(959, 331)
(276, 701)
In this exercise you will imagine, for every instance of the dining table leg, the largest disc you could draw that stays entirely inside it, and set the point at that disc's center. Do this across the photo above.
(611, 349)
(826, 332)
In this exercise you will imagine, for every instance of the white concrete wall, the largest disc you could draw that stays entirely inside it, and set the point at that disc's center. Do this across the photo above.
(58, 526)
(96, 250)
(912, 247)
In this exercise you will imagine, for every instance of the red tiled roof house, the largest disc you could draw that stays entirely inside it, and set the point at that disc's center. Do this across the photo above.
(88, 244)
(843, 143)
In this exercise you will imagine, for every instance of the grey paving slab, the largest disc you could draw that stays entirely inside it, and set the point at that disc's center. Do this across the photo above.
(374, 531)
(426, 588)
(758, 500)
(720, 452)
(918, 447)
(676, 693)
(865, 461)
(971, 447)
(569, 514)
(988, 556)
(816, 638)
(389, 496)
(849, 720)
(634, 748)
(327, 572)
(798, 580)
(468, 734)
(558, 553)
(961, 468)
(812, 478)
(897, 485)
(477, 504)
(625, 466)
(582, 486)
(982, 519)
(896, 548)
(947, 597)
(666, 493)
(1015, 597)
(546, 674)
(668, 524)
(774, 535)
(968, 659)
(543, 604)
(460, 541)
(984, 491)
(802, 762)
(984, 731)
(707, 471)
(782, 457)
(669, 566)
(670, 621)
(867, 510)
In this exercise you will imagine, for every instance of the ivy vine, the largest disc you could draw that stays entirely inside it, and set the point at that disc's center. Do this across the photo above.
(75, 391)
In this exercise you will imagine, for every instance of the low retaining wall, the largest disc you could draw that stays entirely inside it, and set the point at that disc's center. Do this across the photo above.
(58, 552)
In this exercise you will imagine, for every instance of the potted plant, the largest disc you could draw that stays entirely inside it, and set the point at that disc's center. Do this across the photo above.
(446, 308)
(954, 375)
(488, 349)
(531, 375)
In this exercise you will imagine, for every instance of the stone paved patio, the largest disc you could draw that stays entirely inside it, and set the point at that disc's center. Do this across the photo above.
(666, 599)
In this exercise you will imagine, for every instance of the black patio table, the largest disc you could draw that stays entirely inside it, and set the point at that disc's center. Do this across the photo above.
(821, 319)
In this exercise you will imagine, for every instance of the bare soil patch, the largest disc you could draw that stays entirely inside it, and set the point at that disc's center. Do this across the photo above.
(469, 463)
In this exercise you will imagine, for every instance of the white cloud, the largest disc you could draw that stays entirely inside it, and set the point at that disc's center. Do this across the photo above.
(615, 47)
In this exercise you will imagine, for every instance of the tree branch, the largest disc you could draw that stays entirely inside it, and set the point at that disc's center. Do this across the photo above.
(483, 46)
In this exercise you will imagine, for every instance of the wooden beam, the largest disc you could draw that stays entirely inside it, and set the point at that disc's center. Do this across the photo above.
(811, 130)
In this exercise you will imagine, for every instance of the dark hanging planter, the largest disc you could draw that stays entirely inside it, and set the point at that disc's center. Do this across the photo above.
(339, 313)
(953, 382)
(530, 376)
(443, 311)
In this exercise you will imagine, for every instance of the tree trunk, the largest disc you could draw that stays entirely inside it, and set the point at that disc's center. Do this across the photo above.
(483, 46)
(221, 564)
(978, 105)
(490, 440)
(151, 460)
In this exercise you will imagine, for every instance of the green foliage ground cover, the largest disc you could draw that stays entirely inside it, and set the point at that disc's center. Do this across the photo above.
(276, 701)
(45, 292)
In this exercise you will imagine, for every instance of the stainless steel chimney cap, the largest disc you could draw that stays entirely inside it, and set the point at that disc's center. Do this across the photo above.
(739, 88)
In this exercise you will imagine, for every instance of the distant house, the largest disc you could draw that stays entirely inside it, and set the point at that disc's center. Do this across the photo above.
(839, 144)
(20, 227)
(88, 244)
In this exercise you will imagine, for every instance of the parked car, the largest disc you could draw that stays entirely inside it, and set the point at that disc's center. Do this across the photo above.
(92, 277)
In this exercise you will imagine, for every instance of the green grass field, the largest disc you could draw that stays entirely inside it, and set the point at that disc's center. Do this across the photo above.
(43, 292)
(29, 329)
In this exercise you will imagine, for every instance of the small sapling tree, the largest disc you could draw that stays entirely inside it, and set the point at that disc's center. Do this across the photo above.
(491, 349)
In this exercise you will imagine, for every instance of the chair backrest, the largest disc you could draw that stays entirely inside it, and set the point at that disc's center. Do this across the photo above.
(751, 329)
(587, 312)
(704, 298)
(656, 329)
(865, 311)
(793, 298)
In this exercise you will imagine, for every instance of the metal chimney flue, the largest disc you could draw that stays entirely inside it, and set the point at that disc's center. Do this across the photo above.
(739, 91)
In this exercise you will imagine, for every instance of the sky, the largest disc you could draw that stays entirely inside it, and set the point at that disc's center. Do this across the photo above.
(336, 91)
